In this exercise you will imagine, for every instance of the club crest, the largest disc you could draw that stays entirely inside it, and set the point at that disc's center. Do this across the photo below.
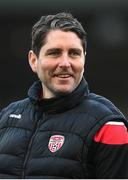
(55, 143)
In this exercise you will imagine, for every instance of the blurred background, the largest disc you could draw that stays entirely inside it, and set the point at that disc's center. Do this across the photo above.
(106, 23)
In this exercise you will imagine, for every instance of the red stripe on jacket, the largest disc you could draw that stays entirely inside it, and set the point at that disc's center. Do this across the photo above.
(114, 133)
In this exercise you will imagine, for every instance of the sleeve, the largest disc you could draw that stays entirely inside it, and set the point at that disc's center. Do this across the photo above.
(110, 151)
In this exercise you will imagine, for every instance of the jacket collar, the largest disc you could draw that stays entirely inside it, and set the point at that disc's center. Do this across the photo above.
(59, 104)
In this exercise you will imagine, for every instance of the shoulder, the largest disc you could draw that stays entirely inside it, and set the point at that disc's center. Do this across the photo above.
(102, 111)
(100, 107)
(97, 101)
(14, 106)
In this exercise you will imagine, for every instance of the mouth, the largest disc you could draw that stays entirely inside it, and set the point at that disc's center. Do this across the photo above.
(63, 75)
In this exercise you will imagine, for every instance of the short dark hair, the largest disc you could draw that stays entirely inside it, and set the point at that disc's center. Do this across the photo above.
(63, 21)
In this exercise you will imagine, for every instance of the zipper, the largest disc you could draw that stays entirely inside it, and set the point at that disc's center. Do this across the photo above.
(30, 145)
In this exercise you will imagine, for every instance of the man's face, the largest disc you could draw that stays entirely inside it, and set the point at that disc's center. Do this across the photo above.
(60, 64)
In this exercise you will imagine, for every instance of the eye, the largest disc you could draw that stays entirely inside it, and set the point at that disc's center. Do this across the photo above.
(74, 53)
(53, 52)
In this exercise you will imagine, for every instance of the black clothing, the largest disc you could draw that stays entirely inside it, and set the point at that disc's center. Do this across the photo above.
(29, 149)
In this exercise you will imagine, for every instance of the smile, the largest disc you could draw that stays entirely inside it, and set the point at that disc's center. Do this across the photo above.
(63, 75)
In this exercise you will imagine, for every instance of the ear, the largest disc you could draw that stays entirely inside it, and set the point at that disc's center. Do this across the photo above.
(32, 58)
(85, 56)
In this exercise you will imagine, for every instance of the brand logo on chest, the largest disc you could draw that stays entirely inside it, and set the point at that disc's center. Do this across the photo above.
(56, 142)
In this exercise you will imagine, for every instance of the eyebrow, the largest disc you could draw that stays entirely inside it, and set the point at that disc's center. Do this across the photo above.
(53, 49)
(75, 49)
(59, 49)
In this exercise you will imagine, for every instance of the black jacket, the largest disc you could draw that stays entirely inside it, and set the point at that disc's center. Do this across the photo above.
(53, 138)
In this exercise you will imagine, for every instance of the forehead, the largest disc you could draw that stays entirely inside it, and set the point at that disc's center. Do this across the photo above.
(58, 37)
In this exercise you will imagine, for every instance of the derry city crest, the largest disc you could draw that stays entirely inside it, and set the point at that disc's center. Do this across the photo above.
(55, 143)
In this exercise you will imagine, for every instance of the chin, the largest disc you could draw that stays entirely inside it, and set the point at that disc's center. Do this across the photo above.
(63, 92)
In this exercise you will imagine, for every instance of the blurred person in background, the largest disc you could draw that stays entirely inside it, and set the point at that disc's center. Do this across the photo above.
(62, 130)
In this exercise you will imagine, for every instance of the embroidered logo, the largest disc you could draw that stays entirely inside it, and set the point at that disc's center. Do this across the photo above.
(55, 143)
(17, 116)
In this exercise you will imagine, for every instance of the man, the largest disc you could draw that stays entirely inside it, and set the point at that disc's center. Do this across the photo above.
(62, 130)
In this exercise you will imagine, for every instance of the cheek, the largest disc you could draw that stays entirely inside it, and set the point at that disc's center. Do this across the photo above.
(79, 67)
(42, 66)
(46, 65)
(45, 69)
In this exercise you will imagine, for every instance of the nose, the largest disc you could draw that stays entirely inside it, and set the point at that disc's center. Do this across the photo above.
(64, 62)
